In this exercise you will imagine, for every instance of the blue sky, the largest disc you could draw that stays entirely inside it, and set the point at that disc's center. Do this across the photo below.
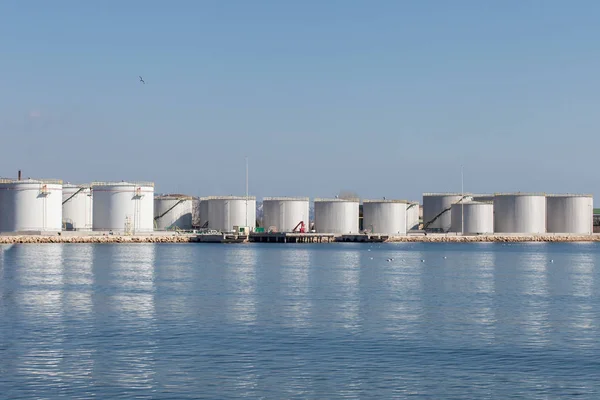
(383, 98)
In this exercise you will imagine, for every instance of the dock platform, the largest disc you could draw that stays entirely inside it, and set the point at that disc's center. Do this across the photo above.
(290, 237)
(362, 237)
(221, 238)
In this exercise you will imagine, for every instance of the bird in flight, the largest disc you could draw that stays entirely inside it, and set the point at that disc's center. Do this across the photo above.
(141, 80)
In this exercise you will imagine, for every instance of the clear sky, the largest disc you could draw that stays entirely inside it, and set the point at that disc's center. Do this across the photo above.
(383, 98)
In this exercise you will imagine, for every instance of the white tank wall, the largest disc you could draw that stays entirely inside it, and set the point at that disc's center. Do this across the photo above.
(123, 205)
(412, 216)
(77, 210)
(433, 204)
(285, 213)
(336, 216)
(520, 213)
(203, 212)
(30, 205)
(479, 218)
(569, 214)
(385, 217)
(172, 213)
(225, 213)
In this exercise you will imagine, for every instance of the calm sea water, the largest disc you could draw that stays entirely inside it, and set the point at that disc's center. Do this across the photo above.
(300, 321)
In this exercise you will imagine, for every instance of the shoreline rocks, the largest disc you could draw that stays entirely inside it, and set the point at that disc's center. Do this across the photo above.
(433, 238)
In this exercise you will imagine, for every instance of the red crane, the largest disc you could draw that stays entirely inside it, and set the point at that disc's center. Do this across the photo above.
(302, 227)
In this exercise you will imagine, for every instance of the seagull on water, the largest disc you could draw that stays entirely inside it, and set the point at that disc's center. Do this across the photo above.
(141, 80)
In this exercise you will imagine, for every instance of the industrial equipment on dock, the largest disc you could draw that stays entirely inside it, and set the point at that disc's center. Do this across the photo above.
(283, 214)
(77, 207)
(336, 216)
(229, 213)
(412, 216)
(478, 217)
(30, 205)
(437, 210)
(570, 213)
(173, 212)
(123, 207)
(385, 216)
(520, 213)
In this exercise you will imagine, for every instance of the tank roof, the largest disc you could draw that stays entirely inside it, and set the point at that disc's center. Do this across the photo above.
(73, 185)
(124, 183)
(285, 198)
(474, 203)
(569, 195)
(520, 194)
(228, 198)
(29, 180)
(445, 194)
(386, 201)
(319, 200)
(172, 196)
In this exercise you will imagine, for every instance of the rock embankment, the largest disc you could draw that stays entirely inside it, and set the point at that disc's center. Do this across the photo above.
(95, 239)
(494, 238)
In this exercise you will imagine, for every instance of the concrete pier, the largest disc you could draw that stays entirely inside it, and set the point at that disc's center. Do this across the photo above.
(290, 237)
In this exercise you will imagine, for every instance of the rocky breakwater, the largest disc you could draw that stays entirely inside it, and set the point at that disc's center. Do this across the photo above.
(96, 239)
(493, 238)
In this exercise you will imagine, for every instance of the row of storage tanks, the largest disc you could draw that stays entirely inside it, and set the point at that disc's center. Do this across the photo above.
(528, 213)
(48, 205)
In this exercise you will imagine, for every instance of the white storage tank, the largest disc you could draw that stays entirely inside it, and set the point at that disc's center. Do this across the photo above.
(437, 210)
(520, 213)
(30, 205)
(173, 212)
(412, 216)
(77, 207)
(123, 207)
(227, 212)
(385, 216)
(570, 213)
(336, 216)
(478, 217)
(203, 210)
(283, 214)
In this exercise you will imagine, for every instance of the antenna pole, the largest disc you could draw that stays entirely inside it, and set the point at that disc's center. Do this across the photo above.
(462, 202)
(246, 191)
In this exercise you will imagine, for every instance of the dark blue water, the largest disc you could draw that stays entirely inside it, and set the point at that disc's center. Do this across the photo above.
(300, 321)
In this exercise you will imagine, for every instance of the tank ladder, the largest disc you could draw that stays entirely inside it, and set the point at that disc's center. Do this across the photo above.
(73, 195)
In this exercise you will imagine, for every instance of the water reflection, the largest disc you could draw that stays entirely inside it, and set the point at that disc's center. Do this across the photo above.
(533, 282)
(132, 278)
(345, 264)
(241, 264)
(174, 280)
(40, 276)
(582, 313)
(78, 280)
(295, 287)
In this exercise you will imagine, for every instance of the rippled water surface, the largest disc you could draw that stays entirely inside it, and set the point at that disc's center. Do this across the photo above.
(300, 321)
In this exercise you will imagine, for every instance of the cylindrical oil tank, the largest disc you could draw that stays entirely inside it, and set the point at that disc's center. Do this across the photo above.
(77, 207)
(336, 216)
(570, 213)
(203, 212)
(173, 212)
(385, 216)
(30, 205)
(123, 207)
(520, 213)
(478, 217)
(283, 214)
(437, 210)
(412, 216)
(227, 212)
